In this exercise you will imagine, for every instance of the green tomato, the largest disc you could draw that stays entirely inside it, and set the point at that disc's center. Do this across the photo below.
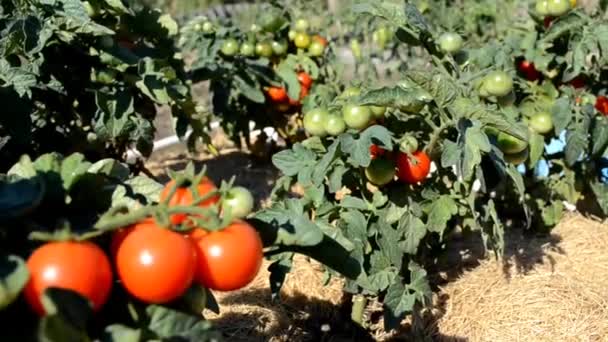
(315, 120)
(450, 42)
(301, 25)
(247, 49)
(292, 35)
(107, 42)
(230, 47)
(263, 49)
(378, 111)
(408, 144)
(106, 76)
(542, 7)
(255, 28)
(279, 48)
(351, 92)
(207, 27)
(542, 123)
(302, 40)
(316, 49)
(356, 117)
(240, 201)
(510, 144)
(517, 158)
(380, 171)
(335, 125)
(558, 7)
(497, 83)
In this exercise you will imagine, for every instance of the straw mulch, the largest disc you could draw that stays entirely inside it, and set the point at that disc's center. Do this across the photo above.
(548, 289)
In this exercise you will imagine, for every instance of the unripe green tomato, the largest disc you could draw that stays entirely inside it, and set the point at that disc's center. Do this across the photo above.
(378, 111)
(335, 125)
(510, 144)
(356, 117)
(351, 92)
(263, 49)
(542, 123)
(517, 158)
(230, 47)
(542, 7)
(302, 40)
(450, 42)
(207, 27)
(240, 201)
(279, 48)
(380, 171)
(355, 48)
(106, 76)
(255, 28)
(497, 83)
(316, 49)
(558, 7)
(247, 49)
(292, 35)
(301, 25)
(408, 144)
(315, 120)
(107, 42)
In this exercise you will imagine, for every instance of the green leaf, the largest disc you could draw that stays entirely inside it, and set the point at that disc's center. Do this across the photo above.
(73, 168)
(387, 243)
(13, 277)
(536, 148)
(413, 230)
(289, 76)
(599, 136)
(451, 154)
(358, 149)
(409, 100)
(321, 169)
(335, 178)
(441, 87)
(121, 333)
(440, 212)
(249, 87)
(171, 324)
(576, 143)
(291, 162)
(20, 197)
(562, 114)
(401, 298)
(280, 225)
(354, 226)
(475, 142)
(350, 202)
(601, 195)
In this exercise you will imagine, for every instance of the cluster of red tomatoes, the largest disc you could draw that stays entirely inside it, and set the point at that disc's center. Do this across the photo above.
(280, 99)
(155, 264)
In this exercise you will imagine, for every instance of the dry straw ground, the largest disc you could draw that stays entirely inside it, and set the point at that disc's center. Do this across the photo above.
(547, 288)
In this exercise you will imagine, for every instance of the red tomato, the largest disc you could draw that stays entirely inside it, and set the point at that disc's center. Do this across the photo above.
(78, 266)
(183, 196)
(376, 151)
(415, 169)
(320, 39)
(155, 265)
(601, 104)
(305, 80)
(529, 70)
(277, 94)
(548, 21)
(228, 259)
(577, 82)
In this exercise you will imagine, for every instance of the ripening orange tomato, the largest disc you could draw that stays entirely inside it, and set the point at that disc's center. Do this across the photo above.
(184, 197)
